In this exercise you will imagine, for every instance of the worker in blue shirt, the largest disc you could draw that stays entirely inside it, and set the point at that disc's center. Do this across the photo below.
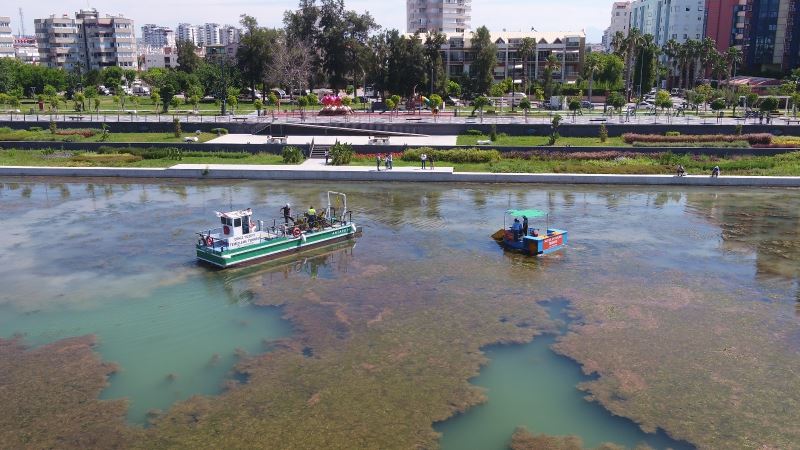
(517, 229)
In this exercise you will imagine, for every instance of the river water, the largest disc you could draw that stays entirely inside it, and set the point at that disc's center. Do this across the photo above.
(116, 259)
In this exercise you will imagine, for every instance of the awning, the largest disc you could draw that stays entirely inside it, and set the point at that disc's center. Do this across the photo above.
(529, 213)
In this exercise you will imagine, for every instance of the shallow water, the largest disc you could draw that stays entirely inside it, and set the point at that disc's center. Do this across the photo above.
(116, 260)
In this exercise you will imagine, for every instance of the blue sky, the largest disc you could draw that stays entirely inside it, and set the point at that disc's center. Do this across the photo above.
(545, 15)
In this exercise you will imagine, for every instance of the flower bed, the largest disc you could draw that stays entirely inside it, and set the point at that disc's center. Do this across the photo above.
(752, 139)
(86, 133)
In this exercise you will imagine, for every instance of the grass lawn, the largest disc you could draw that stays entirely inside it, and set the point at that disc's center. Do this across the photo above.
(665, 164)
(88, 159)
(7, 134)
(530, 141)
(145, 106)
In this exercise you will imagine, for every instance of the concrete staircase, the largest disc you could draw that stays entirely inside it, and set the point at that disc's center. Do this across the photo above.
(318, 151)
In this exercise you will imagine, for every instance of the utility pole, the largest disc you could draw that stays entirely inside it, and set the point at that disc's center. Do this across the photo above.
(224, 85)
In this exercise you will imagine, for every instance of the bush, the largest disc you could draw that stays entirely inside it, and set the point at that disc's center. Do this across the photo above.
(341, 154)
(603, 132)
(53, 127)
(752, 139)
(144, 153)
(31, 129)
(713, 144)
(473, 132)
(86, 133)
(493, 133)
(456, 155)
(672, 133)
(220, 131)
(176, 125)
(292, 155)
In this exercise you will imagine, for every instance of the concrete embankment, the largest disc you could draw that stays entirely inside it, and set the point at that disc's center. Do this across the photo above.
(405, 174)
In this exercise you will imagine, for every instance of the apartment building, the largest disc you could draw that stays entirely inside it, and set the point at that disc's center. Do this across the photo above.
(620, 23)
(157, 36)
(771, 34)
(25, 49)
(208, 34)
(568, 47)
(6, 39)
(187, 32)
(88, 40)
(229, 34)
(680, 20)
(164, 58)
(446, 16)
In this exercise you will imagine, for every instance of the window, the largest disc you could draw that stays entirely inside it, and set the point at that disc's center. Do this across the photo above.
(237, 222)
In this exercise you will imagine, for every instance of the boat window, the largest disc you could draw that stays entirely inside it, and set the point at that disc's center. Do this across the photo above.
(237, 222)
(222, 220)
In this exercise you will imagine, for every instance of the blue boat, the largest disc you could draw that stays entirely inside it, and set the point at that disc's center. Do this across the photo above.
(531, 241)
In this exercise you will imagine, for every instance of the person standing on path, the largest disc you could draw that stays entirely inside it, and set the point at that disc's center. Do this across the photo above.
(423, 157)
(389, 161)
(378, 161)
(430, 158)
(326, 156)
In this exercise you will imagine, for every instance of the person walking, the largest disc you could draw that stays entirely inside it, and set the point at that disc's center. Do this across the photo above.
(287, 214)
(715, 172)
(430, 158)
(378, 161)
(423, 158)
(326, 156)
(389, 161)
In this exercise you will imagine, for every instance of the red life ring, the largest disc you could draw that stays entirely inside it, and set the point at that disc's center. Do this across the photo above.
(226, 230)
(209, 241)
(296, 232)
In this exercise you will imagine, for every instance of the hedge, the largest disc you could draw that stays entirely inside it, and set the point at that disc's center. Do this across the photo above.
(470, 155)
(752, 139)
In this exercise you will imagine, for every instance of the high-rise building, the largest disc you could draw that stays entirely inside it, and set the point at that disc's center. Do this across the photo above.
(6, 39)
(620, 23)
(229, 34)
(88, 40)
(208, 34)
(721, 22)
(187, 32)
(680, 20)
(771, 34)
(157, 36)
(446, 16)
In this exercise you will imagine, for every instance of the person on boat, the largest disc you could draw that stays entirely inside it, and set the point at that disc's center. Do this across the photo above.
(287, 214)
(311, 215)
(524, 225)
(535, 232)
(715, 172)
(516, 228)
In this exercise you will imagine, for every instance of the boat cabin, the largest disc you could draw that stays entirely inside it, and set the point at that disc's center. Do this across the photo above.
(237, 223)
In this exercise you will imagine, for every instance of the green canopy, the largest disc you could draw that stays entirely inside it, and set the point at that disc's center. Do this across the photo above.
(529, 213)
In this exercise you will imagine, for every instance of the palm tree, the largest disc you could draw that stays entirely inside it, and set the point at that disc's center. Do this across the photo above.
(634, 41)
(550, 65)
(708, 50)
(527, 48)
(671, 49)
(620, 45)
(693, 51)
(646, 45)
(733, 57)
(594, 63)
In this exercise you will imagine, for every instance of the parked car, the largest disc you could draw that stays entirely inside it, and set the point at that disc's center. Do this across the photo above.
(280, 93)
(586, 104)
(103, 90)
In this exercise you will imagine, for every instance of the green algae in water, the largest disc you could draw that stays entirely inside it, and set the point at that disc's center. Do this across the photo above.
(179, 341)
(530, 385)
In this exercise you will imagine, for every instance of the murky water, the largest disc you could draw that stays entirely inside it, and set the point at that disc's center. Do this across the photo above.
(116, 260)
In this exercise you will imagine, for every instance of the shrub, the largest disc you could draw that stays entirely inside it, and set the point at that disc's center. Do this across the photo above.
(292, 155)
(474, 132)
(456, 155)
(144, 153)
(86, 133)
(752, 139)
(176, 125)
(341, 154)
(53, 127)
(603, 132)
(31, 129)
(220, 131)
(672, 133)
(712, 144)
(739, 129)
(108, 158)
(493, 133)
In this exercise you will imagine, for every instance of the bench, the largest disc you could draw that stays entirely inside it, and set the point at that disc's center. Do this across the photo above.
(76, 117)
(239, 118)
(600, 119)
(789, 121)
(484, 142)
(378, 140)
(276, 140)
(414, 118)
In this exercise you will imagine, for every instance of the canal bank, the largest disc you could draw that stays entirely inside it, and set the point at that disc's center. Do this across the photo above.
(320, 172)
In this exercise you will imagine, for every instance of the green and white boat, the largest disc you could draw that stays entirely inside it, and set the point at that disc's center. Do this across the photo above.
(243, 240)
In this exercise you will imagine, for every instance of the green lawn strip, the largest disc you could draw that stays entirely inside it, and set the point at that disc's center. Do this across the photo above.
(46, 135)
(57, 158)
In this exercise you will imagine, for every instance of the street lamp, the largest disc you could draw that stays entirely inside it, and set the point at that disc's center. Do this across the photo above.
(514, 69)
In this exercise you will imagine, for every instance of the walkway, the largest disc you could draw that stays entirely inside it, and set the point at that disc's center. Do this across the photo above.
(412, 141)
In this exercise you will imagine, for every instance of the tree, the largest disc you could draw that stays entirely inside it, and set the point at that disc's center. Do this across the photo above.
(453, 89)
(255, 55)
(482, 68)
(291, 65)
(671, 49)
(615, 100)
(526, 49)
(341, 36)
(718, 105)
(258, 104)
(594, 63)
(130, 76)
(574, 106)
(663, 100)
(406, 63)
(480, 103)
(188, 61)
(611, 72)
(551, 65)
(645, 73)
(80, 101)
(155, 97)
(433, 61)
(768, 105)
(554, 125)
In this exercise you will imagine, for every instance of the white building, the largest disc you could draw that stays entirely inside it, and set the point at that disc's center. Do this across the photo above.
(25, 49)
(6, 39)
(187, 32)
(92, 41)
(163, 58)
(157, 36)
(229, 35)
(208, 34)
(620, 23)
(680, 20)
(446, 16)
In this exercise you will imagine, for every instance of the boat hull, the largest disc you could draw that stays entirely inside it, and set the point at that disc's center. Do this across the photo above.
(277, 248)
(537, 245)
